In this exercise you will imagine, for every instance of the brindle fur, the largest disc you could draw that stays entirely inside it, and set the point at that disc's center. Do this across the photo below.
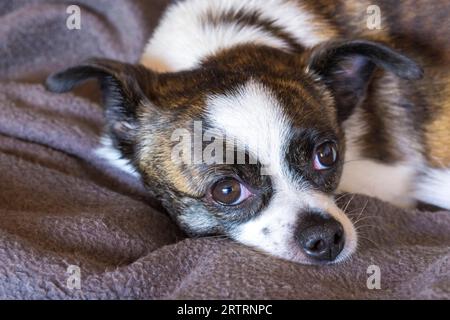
(422, 31)
(160, 103)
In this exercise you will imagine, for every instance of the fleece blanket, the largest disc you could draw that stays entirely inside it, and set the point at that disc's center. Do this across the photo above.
(72, 227)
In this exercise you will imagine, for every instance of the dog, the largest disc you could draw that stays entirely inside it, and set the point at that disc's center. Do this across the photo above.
(306, 92)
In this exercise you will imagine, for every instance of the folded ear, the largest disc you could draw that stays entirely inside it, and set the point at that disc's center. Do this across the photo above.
(347, 66)
(123, 86)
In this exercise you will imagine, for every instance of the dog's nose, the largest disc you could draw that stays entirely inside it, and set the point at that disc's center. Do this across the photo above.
(321, 236)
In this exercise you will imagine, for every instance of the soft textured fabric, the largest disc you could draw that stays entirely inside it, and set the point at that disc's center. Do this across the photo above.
(60, 205)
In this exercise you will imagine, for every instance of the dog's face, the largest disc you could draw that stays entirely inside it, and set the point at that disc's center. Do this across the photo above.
(249, 144)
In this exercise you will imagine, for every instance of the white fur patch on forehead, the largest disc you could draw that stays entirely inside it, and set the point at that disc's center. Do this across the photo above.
(254, 118)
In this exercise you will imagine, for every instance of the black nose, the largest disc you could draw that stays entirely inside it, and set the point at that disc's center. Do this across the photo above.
(321, 236)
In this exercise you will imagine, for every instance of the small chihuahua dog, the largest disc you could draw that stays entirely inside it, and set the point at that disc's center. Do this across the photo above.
(306, 91)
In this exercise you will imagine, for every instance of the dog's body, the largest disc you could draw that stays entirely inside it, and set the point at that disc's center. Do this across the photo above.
(286, 78)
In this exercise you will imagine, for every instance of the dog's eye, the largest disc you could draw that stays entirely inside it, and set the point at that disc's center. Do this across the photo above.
(229, 192)
(325, 156)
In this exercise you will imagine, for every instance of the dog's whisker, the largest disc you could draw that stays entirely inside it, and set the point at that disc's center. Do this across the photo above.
(355, 218)
(371, 241)
(348, 203)
(342, 195)
(365, 218)
(362, 210)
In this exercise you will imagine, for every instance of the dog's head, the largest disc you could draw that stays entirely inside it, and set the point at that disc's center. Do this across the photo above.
(249, 144)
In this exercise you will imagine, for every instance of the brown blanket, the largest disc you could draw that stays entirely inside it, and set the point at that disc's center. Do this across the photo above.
(61, 206)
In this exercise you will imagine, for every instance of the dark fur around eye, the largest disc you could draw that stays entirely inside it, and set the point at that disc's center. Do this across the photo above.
(259, 185)
(300, 154)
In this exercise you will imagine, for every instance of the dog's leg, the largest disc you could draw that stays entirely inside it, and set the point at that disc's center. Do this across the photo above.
(433, 187)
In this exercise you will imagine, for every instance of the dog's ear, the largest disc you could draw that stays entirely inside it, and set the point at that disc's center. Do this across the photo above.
(123, 89)
(347, 66)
